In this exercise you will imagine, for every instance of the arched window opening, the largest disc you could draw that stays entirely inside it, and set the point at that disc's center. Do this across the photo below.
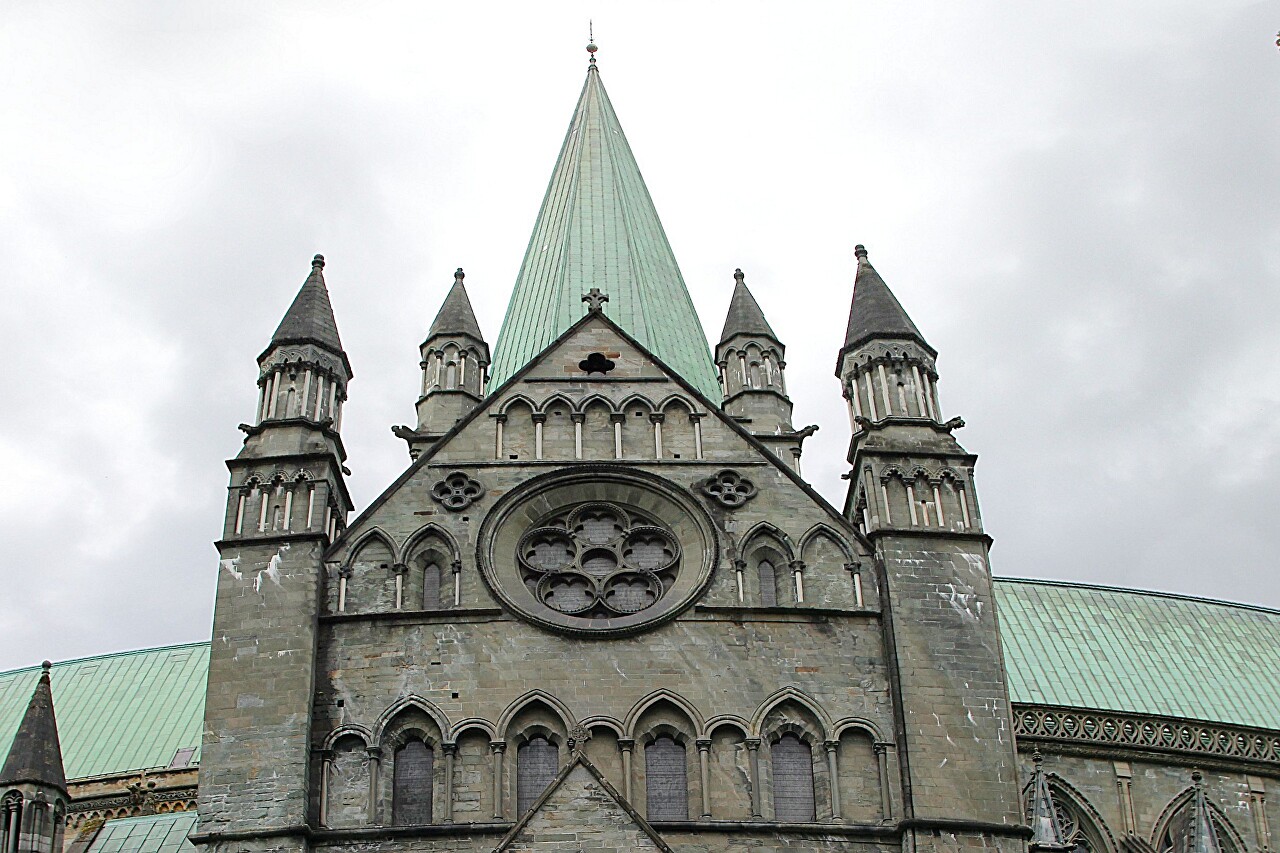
(537, 761)
(792, 762)
(768, 584)
(411, 789)
(431, 586)
(666, 780)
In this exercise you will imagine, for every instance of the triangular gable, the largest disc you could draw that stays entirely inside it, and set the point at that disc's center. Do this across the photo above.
(536, 364)
(581, 802)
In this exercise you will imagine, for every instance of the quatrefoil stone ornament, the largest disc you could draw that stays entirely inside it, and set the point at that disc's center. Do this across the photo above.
(456, 492)
(729, 488)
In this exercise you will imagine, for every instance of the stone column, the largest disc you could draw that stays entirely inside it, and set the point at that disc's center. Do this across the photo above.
(625, 745)
(833, 773)
(450, 750)
(704, 771)
(578, 418)
(326, 758)
(882, 772)
(497, 748)
(797, 572)
(375, 771)
(616, 418)
(753, 747)
(539, 419)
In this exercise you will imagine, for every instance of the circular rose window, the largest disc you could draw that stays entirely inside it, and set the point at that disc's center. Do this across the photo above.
(628, 555)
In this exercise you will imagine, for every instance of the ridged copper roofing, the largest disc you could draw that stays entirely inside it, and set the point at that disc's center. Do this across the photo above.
(120, 712)
(1064, 644)
(161, 833)
(1140, 652)
(598, 228)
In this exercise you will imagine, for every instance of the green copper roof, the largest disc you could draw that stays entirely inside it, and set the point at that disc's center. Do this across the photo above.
(598, 228)
(120, 712)
(1141, 652)
(161, 833)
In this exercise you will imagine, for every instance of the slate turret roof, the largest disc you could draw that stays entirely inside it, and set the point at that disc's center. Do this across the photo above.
(876, 312)
(310, 317)
(456, 316)
(36, 755)
(598, 228)
(745, 316)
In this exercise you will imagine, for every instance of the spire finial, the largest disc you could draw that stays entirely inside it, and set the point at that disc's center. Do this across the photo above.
(317, 262)
(860, 252)
(458, 274)
(738, 276)
(591, 42)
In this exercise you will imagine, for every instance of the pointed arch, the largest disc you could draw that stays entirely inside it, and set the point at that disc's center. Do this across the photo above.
(790, 694)
(823, 529)
(349, 730)
(732, 720)
(557, 397)
(470, 724)
(597, 398)
(846, 724)
(1078, 802)
(604, 722)
(656, 697)
(425, 532)
(681, 400)
(405, 703)
(764, 529)
(371, 535)
(531, 698)
(636, 400)
(505, 406)
(1234, 841)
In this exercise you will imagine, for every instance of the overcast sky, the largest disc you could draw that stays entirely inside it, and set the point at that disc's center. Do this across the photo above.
(1077, 203)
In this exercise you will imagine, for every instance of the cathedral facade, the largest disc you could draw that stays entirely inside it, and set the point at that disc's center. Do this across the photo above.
(602, 609)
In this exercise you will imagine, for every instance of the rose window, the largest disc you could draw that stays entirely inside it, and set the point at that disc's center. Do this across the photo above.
(598, 561)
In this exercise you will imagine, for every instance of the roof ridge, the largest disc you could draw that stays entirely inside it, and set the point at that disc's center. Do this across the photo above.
(123, 653)
(1131, 590)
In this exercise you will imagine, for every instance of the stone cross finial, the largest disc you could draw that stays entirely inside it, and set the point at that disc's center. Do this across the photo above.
(595, 300)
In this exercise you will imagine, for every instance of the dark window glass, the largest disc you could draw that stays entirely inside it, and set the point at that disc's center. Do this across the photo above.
(431, 587)
(537, 761)
(792, 780)
(411, 792)
(666, 781)
(768, 585)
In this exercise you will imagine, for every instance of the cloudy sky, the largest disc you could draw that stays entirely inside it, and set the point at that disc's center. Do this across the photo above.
(1077, 202)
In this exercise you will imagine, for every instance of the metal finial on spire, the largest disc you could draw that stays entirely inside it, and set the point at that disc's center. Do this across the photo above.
(591, 42)
(737, 275)
(458, 274)
(860, 252)
(318, 261)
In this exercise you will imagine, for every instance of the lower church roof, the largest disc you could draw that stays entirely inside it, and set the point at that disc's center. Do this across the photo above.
(1065, 644)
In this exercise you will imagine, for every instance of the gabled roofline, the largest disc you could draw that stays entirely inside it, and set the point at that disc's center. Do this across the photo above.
(676, 377)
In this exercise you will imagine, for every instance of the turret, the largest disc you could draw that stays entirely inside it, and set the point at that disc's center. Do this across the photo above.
(455, 365)
(751, 362)
(911, 494)
(287, 502)
(34, 799)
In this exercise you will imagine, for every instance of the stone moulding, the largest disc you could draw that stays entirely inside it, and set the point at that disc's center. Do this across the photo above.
(1144, 732)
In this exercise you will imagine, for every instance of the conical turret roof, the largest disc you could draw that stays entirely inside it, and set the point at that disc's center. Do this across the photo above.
(310, 317)
(745, 316)
(456, 317)
(876, 312)
(36, 755)
(598, 228)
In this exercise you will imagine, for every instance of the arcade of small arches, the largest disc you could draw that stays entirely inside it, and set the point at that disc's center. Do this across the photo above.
(301, 385)
(787, 763)
(453, 367)
(751, 366)
(281, 502)
(770, 569)
(598, 428)
(891, 383)
(915, 497)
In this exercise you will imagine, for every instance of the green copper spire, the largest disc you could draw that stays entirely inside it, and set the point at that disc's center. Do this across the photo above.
(598, 228)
